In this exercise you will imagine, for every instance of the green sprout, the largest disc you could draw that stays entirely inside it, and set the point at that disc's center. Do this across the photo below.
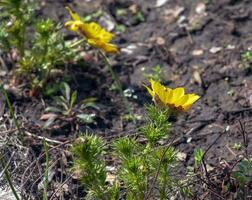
(246, 59)
(198, 156)
(155, 74)
(237, 146)
(66, 107)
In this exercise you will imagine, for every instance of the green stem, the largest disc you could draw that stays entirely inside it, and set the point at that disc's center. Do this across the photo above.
(118, 83)
(157, 173)
(21, 35)
(46, 170)
(140, 195)
(164, 184)
(22, 48)
(8, 178)
(77, 43)
(12, 113)
(114, 76)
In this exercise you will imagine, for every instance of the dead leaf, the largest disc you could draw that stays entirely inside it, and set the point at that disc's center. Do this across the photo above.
(197, 52)
(133, 8)
(129, 49)
(170, 15)
(47, 116)
(215, 49)
(209, 168)
(230, 47)
(197, 77)
(160, 41)
(200, 8)
(181, 156)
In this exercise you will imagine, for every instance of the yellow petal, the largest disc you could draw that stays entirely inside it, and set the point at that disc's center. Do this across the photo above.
(182, 100)
(165, 95)
(110, 48)
(84, 30)
(91, 30)
(152, 93)
(157, 88)
(96, 28)
(177, 94)
(73, 14)
(168, 96)
(95, 31)
(191, 99)
(186, 108)
(105, 36)
(93, 43)
(156, 85)
(74, 26)
(107, 47)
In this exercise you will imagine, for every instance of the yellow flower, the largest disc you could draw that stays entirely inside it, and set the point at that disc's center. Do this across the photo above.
(173, 98)
(96, 36)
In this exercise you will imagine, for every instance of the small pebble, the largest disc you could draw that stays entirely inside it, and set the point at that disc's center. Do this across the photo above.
(197, 52)
(231, 47)
(215, 49)
(200, 8)
(160, 41)
(160, 3)
(129, 49)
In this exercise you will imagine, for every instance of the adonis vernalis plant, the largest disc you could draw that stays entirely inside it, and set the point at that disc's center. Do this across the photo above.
(144, 170)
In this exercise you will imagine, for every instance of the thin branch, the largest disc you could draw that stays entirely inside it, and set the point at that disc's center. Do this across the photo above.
(158, 171)
(43, 138)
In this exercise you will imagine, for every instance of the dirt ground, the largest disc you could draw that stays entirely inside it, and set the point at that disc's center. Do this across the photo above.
(198, 45)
